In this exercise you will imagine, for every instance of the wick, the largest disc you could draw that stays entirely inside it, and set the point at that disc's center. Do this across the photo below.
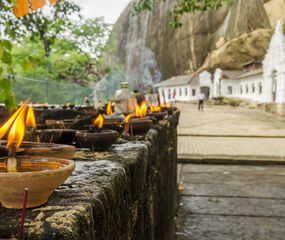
(11, 161)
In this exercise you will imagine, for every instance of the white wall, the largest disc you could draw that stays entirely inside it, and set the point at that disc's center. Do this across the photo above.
(186, 93)
(216, 84)
(274, 61)
(205, 80)
(247, 83)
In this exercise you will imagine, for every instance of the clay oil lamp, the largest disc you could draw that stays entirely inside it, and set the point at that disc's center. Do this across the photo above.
(66, 106)
(60, 125)
(40, 175)
(156, 112)
(96, 138)
(112, 120)
(168, 108)
(45, 105)
(138, 123)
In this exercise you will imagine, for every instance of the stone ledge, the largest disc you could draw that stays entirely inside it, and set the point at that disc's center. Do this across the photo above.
(127, 193)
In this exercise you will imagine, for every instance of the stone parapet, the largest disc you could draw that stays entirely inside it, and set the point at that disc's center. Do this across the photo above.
(128, 192)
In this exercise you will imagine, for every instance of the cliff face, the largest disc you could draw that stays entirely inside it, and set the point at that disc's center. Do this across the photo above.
(225, 38)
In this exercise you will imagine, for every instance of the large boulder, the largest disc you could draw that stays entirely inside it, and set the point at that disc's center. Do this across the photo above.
(224, 38)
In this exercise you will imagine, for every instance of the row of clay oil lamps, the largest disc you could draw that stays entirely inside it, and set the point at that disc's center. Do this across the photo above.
(46, 105)
(37, 176)
(41, 175)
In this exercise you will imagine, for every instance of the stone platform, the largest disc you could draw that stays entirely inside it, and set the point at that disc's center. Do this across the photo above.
(128, 192)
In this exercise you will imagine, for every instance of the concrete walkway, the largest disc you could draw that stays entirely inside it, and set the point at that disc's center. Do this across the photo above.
(233, 201)
(220, 133)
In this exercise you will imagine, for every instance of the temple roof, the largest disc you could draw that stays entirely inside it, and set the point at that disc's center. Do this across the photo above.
(179, 80)
(231, 74)
(258, 71)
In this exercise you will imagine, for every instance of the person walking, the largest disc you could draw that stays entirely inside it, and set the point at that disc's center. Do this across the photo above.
(201, 98)
(174, 95)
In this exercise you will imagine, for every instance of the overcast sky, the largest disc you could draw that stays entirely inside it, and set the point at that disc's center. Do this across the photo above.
(109, 9)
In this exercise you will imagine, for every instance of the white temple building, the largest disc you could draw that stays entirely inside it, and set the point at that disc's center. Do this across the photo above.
(260, 81)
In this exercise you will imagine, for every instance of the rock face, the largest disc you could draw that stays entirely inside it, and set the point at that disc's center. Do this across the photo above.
(224, 38)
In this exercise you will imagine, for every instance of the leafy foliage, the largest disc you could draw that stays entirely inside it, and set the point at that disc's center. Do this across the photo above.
(181, 7)
(5, 83)
(75, 56)
(49, 20)
(37, 25)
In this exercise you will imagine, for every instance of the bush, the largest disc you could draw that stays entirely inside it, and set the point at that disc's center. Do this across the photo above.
(230, 101)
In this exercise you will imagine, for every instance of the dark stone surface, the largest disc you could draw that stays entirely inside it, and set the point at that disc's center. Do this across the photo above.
(221, 202)
(128, 192)
(207, 227)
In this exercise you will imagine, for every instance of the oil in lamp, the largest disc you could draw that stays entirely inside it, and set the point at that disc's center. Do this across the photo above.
(95, 138)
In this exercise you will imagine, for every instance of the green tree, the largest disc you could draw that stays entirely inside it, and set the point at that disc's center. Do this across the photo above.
(37, 24)
(76, 55)
(92, 38)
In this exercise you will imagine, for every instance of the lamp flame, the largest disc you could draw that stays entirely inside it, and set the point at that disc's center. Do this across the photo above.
(168, 105)
(141, 110)
(17, 131)
(45, 104)
(128, 117)
(99, 121)
(155, 108)
(30, 120)
(4, 129)
(144, 108)
(37, 104)
(138, 111)
(109, 108)
(68, 104)
(162, 105)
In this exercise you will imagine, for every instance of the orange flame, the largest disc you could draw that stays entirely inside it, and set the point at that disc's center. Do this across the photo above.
(155, 108)
(37, 104)
(141, 110)
(99, 121)
(162, 105)
(45, 104)
(109, 108)
(30, 120)
(4, 129)
(17, 131)
(128, 117)
(168, 105)
(138, 111)
(68, 104)
(144, 108)
(21, 103)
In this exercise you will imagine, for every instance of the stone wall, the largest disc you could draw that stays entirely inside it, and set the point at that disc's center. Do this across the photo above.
(128, 192)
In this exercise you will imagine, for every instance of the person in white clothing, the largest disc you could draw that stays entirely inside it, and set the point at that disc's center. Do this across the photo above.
(201, 98)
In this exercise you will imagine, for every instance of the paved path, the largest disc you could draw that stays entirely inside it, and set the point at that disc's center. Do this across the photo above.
(231, 202)
(226, 120)
(223, 132)
(225, 148)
